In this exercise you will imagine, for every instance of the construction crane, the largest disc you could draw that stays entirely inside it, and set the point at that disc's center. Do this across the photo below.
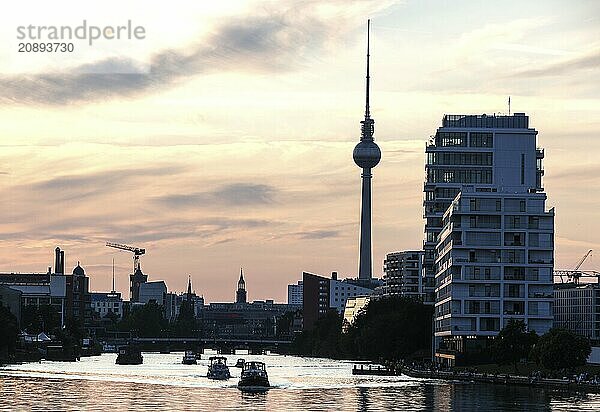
(575, 274)
(137, 252)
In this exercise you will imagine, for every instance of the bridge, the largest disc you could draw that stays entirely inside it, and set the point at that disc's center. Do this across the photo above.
(225, 346)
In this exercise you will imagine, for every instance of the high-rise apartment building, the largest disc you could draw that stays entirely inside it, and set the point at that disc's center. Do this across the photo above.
(494, 261)
(403, 274)
(491, 153)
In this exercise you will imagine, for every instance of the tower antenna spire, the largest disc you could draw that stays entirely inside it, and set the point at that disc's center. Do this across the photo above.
(367, 109)
(113, 273)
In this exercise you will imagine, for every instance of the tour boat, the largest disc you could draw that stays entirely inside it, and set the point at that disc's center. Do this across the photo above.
(240, 363)
(254, 377)
(189, 358)
(218, 368)
(129, 355)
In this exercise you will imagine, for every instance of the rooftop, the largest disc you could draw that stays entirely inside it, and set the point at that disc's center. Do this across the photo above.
(487, 121)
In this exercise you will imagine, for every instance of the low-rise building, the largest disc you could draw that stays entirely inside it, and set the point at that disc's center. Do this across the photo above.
(321, 294)
(105, 303)
(39, 289)
(577, 308)
(354, 306)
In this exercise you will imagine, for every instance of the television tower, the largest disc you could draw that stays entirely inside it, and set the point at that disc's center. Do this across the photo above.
(366, 155)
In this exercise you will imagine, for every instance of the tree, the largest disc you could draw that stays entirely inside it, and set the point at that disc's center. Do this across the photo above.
(43, 318)
(147, 321)
(323, 340)
(186, 321)
(561, 348)
(390, 328)
(513, 343)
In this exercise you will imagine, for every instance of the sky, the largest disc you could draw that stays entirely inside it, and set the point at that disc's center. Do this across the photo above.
(224, 138)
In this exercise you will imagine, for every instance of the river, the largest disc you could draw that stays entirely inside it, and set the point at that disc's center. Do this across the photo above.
(163, 383)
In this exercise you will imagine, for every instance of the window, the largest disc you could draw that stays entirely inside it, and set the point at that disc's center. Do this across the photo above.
(482, 140)
(498, 205)
(522, 168)
(451, 139)
(522, 205)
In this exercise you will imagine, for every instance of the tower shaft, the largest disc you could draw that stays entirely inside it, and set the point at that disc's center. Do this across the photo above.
(365, 266)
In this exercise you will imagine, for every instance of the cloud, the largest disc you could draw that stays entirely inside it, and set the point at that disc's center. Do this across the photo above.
(318, 234)
(274, 41)
(236, 194)
(585, 61)
(79, 186)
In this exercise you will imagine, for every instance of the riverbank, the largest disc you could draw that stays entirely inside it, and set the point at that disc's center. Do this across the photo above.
(501, 379)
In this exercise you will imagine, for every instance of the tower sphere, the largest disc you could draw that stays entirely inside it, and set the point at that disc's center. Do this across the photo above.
(366, 154)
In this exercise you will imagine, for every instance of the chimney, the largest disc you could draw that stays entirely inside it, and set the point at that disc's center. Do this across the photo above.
(57, 260)
(62, 262)
(334, 275)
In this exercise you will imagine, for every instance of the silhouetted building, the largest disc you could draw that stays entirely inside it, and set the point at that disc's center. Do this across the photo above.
(241, 295)
(11, 299)
(39, 289)
(243, 320)
(153, 292)
(79, 300)
(135, 280)
(174, 302)
(104, 304)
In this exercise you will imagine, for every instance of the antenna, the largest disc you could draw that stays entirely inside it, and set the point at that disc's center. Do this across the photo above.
(113, 283)
(367, 111)
(509, 105)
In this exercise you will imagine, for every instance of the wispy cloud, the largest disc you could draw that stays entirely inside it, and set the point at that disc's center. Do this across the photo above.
(590, 60)
(277, 39)
(235, 194)
(85, 185)
(318, 234)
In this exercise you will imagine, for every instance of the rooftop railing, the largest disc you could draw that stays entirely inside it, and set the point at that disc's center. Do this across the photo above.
(516, 121)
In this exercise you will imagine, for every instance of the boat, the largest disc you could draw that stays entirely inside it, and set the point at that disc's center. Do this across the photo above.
(189, 358)
(254, 377)
(129, 355)
(240, 363)
(218, 368)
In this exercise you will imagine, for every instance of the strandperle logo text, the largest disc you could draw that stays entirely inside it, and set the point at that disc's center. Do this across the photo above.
(84, 31)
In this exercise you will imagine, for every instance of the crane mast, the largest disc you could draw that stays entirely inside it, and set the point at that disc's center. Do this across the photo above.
(137, 252)
(576, 274)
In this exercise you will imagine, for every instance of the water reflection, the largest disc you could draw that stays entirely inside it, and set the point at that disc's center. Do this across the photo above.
(300, 384)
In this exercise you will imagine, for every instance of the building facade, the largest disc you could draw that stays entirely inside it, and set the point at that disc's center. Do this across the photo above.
(577, 308)
(38, 289)
(354, 306)
(294, 294)
(153, 292)
(494, 262)
(403, 274)
(321, 294)
(487, 152)
(104, 304)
